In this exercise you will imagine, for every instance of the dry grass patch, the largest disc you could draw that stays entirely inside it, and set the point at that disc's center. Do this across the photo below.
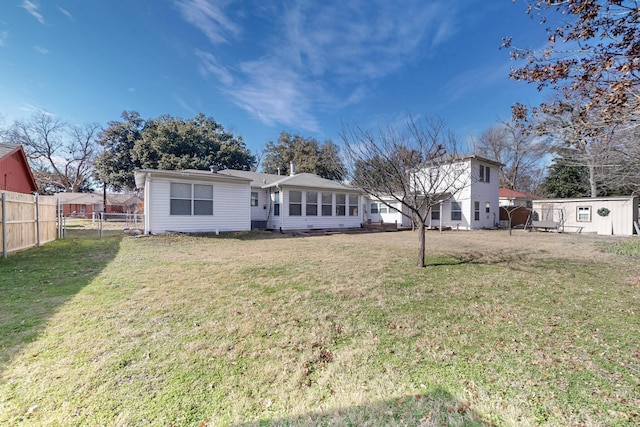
(338, 330)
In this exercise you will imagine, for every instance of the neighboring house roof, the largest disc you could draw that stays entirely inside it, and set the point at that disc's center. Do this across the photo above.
(506, 193)
(306, 180)
(7, 150)
(461, 157)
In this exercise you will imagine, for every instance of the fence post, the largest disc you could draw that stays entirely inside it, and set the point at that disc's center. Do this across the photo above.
(4, 227)
(37, 220)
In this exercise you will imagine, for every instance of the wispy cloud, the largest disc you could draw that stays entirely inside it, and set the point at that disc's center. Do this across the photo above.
(4, 35)
(33, 10)
(41, 50)
(210, 18)
(316, 50)
(66, 13)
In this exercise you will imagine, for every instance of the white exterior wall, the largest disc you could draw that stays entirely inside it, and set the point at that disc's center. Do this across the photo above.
(304, 222)
(231, 210)
(260, 212)
(474, 191)
(623, 212)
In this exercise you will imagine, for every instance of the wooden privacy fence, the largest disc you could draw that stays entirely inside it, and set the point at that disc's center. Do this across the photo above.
(26, 221)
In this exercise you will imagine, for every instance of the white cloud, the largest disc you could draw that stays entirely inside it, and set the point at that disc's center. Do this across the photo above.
(32, 9)
(66, 13)
(4, 35)
(41, 50)
(315, 51)
(210, 18)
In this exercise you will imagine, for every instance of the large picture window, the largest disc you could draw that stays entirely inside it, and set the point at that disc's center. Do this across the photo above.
(191, 199)
(295, 203)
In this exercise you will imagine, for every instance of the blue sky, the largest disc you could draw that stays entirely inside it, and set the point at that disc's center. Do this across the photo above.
(262, 67)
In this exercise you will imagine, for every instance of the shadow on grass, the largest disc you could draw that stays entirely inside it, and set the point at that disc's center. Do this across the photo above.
(437, 408)
(35, 283)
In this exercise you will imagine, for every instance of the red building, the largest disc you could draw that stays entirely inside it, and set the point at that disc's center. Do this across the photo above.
(15, 173)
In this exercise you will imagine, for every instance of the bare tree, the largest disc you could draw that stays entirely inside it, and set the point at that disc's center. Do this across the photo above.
(61, 155)
(416, 165)
(521, 152)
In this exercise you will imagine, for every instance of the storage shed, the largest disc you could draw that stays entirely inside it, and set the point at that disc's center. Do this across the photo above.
(601, 215)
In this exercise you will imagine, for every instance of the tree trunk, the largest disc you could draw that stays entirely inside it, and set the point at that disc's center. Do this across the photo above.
(421, 236)
(592, 181)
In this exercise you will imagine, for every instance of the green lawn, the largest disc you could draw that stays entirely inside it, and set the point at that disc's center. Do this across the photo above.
(533, 329)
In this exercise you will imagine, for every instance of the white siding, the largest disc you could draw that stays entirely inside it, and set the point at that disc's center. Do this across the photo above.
(231, 210)
(260, 212)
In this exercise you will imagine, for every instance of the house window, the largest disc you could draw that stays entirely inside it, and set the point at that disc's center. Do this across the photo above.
(393, 207)
(295, 203)
(341, 208)
(353, 205)
(435, 212)
(191, 199)
(476, 211)
(276, 203)
(202, 199)
(584, 213)
(326, 204)
(97, 207)
(487, 207)
(254, 198)
(312, 203)
(485, 174)
(456, 211)
(374, 208)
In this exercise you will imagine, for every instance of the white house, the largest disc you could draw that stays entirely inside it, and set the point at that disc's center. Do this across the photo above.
(194, 201)
(300, 201)
(473, 204)
(235, 200)
(601, 215)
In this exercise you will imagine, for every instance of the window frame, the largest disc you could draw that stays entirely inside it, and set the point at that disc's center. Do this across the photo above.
(196, 201)
(255, 200)
(295, 206)
(276, 203)
(435, 212)
(341, 207)
(458, 211)
(476, 210)
(310, 204)
(326, 208)
(588, 210)
(352, 206)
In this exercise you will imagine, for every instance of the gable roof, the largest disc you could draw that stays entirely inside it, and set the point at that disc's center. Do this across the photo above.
(7, 150)
(306, 180)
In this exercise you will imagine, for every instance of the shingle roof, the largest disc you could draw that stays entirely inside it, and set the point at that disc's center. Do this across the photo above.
(308, 180)
(6, 148)
(513, 194)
